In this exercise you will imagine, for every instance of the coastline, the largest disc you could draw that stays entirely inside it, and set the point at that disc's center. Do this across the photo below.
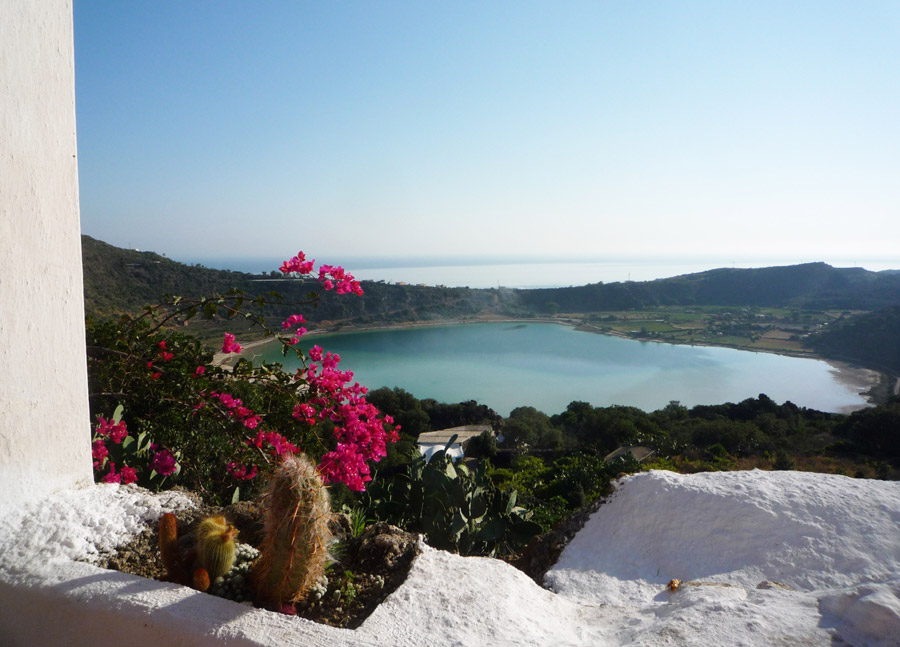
(874, 385)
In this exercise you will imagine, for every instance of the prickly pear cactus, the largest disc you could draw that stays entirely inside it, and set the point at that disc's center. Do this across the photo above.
(294, 552)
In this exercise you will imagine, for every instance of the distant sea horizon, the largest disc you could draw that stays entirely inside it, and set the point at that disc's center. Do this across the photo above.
(522, 272)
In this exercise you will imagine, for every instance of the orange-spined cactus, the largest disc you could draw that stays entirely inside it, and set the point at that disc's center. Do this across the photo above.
(215, 546)
(168, 548)
(200, 579)
(294, 552)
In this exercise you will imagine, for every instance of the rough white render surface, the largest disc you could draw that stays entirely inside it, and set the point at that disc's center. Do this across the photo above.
(767, 558)
(44, 427)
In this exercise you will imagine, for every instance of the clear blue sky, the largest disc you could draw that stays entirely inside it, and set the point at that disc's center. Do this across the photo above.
(588, 129)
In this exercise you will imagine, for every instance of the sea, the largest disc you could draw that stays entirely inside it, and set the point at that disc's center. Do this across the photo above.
(530, 272)
(547, 366)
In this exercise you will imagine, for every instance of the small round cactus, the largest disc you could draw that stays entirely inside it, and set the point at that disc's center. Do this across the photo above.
(215, 546)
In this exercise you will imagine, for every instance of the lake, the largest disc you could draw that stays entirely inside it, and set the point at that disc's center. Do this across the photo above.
(506, 365)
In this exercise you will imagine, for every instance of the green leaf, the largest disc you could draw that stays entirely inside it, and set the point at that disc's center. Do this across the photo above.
(237, 495)
(478, 508)
(450, 471)
(491, 531)
(117, 414)
(512, 501)
(458, 524)
(525, 530)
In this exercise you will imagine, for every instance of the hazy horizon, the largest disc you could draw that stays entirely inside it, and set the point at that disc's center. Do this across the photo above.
(518, 272)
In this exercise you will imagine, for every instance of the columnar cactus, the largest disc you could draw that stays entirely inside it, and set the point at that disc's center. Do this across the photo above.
(294, 552)
(168, 548)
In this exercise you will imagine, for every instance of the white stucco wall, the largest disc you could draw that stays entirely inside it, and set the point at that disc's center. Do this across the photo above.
(44, 419)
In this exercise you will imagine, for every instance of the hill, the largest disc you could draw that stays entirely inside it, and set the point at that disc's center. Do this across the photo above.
(124, 281)
(871, 338)
(119, 280)
(810, 285)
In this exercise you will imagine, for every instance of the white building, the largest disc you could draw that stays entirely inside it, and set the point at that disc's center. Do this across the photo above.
(434, 441)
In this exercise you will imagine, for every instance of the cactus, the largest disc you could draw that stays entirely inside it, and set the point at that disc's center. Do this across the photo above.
(294, 552)
(215, 546)
(169, 550)
(200, 579)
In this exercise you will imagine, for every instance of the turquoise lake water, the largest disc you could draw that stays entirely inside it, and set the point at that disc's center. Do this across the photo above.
(506, 365)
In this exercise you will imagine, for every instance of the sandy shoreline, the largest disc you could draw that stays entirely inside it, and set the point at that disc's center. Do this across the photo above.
(864, 381)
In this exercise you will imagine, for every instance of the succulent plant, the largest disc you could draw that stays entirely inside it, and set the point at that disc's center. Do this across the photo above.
(215, 546)
(169, 550)
(200, 579)
(294, 552)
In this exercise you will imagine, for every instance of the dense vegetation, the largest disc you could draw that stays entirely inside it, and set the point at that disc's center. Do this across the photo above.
(556, 462)
(871, 338)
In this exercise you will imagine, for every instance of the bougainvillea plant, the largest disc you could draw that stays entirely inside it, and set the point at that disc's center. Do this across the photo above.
(179, 416)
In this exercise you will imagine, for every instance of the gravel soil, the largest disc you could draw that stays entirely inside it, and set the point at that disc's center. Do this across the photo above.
(367, 568)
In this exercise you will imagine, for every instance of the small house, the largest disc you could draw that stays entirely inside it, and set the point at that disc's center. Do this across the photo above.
(434, 441)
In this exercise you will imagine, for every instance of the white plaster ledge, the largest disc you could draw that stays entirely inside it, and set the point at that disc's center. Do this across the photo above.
(46, 597)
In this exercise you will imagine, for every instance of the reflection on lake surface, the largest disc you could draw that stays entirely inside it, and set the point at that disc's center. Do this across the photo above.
(547, 366)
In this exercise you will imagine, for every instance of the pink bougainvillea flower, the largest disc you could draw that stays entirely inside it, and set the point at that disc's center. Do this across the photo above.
(298, 265)
(240, 472)
(99, 452)
(163, 462)
(112, 477)
(199, 371)
(292, 321)
(116, 432)
(229, 345)
(128, 474)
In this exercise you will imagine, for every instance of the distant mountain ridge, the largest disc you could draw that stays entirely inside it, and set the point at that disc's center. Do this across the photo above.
(120, 280)
(810, 285)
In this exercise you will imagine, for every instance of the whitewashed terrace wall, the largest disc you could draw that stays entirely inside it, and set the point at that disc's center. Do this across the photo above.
(44, 418)
(44, 414)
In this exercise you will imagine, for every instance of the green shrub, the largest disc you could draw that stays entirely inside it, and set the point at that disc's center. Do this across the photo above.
(458, 508)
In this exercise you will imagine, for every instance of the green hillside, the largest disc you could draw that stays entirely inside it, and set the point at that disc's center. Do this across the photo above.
(124, 281)
(872, 338)
(811, 285)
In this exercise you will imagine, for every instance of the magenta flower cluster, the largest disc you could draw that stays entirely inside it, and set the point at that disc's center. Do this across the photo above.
(229, 345)
(235, 410)
(163, 460)
(332, 277)
(360, 432)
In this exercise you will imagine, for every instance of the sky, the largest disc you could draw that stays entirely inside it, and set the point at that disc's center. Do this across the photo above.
(582, 130)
